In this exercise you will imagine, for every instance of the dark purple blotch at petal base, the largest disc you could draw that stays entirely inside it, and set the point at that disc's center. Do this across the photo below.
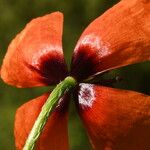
(83, 63)
(51, 67)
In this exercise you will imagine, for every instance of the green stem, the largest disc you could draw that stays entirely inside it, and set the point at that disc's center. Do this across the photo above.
(63, 87)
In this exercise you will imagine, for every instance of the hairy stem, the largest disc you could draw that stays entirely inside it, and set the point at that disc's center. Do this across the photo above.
(63, 87)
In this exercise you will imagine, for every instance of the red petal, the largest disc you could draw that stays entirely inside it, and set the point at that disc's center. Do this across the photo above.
(35, 53)
(115, 119)
(118, 38)
(55, 133)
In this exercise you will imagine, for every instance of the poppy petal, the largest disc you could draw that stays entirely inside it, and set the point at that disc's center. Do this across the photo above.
(35, 53)
(115, 119)
(117, 38)
(55, 133)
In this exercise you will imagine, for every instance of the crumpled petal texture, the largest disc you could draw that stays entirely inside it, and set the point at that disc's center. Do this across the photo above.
(115, 119)
(55, 133)
(35, 56)
(117, 38)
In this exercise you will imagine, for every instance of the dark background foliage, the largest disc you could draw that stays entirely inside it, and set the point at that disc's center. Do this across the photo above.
(14, 14)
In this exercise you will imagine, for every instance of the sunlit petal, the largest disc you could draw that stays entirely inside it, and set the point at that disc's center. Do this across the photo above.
(35, 56)
(115, 119)
(121, 36)
(55, 133)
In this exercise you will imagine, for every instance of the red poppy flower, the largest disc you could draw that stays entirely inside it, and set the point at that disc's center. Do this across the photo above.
(114, 119)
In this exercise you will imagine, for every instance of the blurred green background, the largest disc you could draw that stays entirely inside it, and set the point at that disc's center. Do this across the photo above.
(14, 14)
